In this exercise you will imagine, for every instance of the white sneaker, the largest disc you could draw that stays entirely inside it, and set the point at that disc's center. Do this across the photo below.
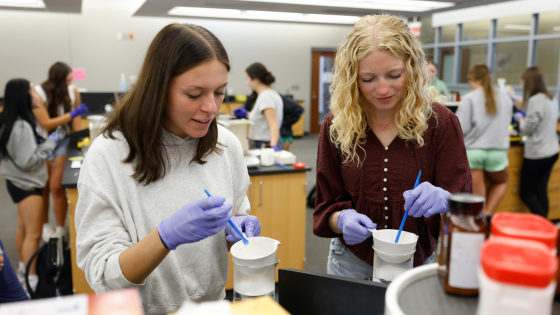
(21, 273)
(48, 232)
(33, 281)
(59, 232)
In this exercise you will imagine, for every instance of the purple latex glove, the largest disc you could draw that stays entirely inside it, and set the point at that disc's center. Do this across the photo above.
(276, 148)
(195, 221)
(426, 200)
(78, 111)
(518, 115)
(354, 226)
(248, 224)
(53, 137)
(240, 112)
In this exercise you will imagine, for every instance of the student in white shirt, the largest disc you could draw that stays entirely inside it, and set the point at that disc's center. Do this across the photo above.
(268, 108)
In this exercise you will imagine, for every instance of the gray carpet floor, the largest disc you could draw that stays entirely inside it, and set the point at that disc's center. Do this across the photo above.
(305, 149)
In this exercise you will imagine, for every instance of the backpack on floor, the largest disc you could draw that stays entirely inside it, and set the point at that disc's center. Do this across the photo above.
(53, 269)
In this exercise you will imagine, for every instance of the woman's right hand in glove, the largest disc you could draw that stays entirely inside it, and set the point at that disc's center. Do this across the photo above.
(78, 111)
(195, 221)
(354, 226)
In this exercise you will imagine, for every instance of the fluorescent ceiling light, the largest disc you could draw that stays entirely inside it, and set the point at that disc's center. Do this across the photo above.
(517, 27)
(39, 4)
(393, 5)
(263, 15)
(203, 12)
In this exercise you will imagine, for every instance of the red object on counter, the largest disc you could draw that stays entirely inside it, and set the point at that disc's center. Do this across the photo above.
(524, 226)
(518, 262)
(299, 165)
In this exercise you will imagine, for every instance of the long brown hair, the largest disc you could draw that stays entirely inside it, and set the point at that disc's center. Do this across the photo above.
(176, 49)
(481, 73)
(533, 83)
(57, 90)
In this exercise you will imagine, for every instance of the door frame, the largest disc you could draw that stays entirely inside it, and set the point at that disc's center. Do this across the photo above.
(314, 127)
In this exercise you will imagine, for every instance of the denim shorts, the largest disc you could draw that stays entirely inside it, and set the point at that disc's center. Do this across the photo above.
(490, 160)
(60, 150)
(342, 262)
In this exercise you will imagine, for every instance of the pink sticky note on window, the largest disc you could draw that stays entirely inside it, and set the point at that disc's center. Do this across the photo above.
(79, 74)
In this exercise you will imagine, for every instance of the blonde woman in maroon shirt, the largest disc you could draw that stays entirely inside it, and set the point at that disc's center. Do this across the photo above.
(385, 125)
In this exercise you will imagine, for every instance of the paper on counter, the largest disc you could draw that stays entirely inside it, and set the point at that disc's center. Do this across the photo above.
(70, 305)
(205, 308)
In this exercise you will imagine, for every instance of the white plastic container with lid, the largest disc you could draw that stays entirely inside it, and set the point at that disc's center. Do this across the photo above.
(524, 226)
(517, 277)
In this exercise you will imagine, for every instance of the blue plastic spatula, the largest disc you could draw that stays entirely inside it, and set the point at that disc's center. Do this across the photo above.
(243, 238)
(406, 212)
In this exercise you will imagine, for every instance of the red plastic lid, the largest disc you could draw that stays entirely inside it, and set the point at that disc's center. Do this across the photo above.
(524, 226)
(518, 262)
(299, 165)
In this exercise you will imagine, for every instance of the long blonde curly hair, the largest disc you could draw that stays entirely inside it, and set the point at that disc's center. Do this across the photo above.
(350, 121)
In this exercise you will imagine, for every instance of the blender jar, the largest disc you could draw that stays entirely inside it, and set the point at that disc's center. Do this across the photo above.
(253, 281)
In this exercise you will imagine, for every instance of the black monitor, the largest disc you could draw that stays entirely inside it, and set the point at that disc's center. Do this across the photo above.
(96, 101)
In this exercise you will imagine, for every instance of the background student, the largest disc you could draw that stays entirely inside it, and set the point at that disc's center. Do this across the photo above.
(268, 108)
(60, 101)
(541, 146)
(485, 114)
(23, 165)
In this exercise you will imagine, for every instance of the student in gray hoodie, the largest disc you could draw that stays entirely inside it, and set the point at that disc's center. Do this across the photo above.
(22, 162)
(541, 147)
(142, 218)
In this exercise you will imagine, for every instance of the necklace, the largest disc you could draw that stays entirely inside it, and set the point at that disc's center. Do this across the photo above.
(383, 126)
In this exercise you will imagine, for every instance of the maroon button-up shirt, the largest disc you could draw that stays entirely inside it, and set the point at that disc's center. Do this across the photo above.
(376, 187)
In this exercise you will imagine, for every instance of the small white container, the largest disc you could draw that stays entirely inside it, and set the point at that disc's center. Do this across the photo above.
(267, 157)
(261, 251)
(517, 277)
(391, 259)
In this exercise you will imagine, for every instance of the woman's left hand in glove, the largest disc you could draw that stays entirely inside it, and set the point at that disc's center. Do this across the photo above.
(248, 224)
(425, 200)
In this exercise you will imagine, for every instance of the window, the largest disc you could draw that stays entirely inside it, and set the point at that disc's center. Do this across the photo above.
(470, 56)
(510, 61)
(446, 64)
(448, 33)
(476, 30)
(514, 26)
(427, 32)
(549, 22)
(548, 52)
(429, 53)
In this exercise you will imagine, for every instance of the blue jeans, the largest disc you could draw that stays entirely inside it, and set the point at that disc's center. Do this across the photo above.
(343, 262)
(60, 149)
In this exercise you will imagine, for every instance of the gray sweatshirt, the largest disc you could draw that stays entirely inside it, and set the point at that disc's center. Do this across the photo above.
(114, 212)
(540, 127)
(480, 129)
(30, 170)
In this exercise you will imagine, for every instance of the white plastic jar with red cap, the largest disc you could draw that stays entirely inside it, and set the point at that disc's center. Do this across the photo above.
(524, 226)
(516, 277)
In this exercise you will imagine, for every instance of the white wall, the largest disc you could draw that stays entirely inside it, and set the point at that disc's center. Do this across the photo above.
(31, 42)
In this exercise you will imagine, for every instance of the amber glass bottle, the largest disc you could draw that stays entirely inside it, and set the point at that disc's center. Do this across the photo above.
(462, 232)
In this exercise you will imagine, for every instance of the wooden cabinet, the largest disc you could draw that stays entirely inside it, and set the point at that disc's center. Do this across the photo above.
(297, 127)
(278, 201)
(512, 201)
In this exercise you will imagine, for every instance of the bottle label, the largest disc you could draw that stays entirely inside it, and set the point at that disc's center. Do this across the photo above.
(465, 259)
